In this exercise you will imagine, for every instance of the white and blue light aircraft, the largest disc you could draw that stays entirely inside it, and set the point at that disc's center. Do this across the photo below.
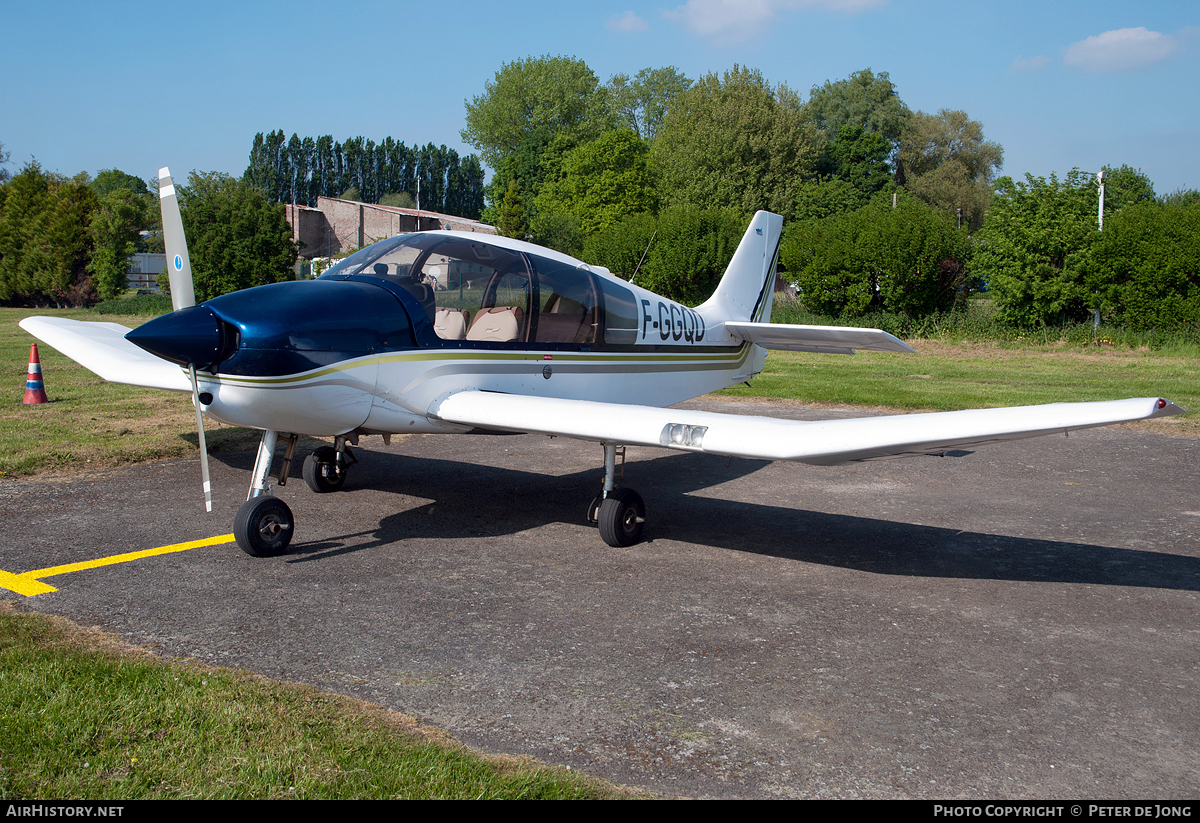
(444, 332)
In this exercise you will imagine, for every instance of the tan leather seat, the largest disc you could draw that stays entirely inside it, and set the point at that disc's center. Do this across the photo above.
(500, 324)
(451, 324)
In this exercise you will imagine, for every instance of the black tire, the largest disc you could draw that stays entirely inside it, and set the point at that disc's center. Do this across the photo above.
(622, 515)
(263, 526)
(322, 471)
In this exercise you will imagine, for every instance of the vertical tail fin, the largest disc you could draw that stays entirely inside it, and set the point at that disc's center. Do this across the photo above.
(179, 265)
(746, 289)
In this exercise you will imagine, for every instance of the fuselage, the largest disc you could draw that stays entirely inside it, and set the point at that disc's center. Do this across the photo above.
(370, 345)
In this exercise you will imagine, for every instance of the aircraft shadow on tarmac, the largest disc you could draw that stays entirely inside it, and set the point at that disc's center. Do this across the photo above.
(477, 501)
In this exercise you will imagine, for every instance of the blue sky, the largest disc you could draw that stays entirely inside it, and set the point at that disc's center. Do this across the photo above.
(137, 85)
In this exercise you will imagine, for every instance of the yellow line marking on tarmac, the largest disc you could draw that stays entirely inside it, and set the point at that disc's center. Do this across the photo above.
(29, 583)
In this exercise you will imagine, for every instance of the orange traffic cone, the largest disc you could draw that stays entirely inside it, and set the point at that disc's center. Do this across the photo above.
(35, 392)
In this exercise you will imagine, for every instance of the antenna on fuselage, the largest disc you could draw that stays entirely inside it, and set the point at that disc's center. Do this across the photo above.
(647, 251)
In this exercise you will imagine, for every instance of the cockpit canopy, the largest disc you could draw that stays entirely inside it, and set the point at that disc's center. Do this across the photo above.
(478, 291)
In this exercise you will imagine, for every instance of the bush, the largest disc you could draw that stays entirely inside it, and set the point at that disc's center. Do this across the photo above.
(620, 248)
(1144, 268)
(1032, 247)
(136, 304)
(690, 252)
(908, 260)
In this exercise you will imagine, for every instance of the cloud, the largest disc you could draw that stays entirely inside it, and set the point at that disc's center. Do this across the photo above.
(733, 21)
(627, 22)
(1120, 49)
(1032, 64)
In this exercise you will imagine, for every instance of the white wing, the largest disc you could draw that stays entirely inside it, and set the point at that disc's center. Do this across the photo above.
(823, 339)
(103, 349)
(822, 443)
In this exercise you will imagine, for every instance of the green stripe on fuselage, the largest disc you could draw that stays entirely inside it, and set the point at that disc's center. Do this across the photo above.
(607, 362)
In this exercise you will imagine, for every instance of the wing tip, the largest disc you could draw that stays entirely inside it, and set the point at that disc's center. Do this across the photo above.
(1165, 408)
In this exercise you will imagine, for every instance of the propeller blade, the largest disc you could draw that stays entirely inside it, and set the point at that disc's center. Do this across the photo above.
(179, 265)
(203, 443)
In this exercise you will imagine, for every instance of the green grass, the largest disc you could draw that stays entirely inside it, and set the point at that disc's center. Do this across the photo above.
(83, 718)
(945, 376)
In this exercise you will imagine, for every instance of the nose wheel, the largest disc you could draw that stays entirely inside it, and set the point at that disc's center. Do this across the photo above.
(263, 526)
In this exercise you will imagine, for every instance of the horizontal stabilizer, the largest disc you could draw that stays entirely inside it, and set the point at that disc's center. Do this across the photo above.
(821, 443)
(103, 349)
(823, 339)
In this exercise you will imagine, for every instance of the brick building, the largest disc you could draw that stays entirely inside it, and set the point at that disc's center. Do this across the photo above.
(334, 225)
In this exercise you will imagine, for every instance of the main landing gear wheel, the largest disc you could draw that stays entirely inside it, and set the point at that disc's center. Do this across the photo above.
(263, 526)
(323, 472)
(622, 515)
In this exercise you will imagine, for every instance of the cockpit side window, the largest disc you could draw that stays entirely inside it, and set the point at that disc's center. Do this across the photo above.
(479, 292)
(621, 315)
(568, 304)
(482, 292)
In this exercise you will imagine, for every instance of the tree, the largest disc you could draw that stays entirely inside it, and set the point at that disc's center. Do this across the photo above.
(557, 231)
(860, 158)
(529, 101)
(1124, 187)
(642, 104)
(125, 208)
(44, 240)
(523, 168)
(909, 259)
(108, 181)
(1180, 197)
(266, 158)
(398, 200)
(944, 160)
(510, 218)
(864, 99)
(300, 170)
(602, 181)
(236, 239)
(116, 222)
(1034, 244)
(5, 174)
(734, 142)
(818, 199)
